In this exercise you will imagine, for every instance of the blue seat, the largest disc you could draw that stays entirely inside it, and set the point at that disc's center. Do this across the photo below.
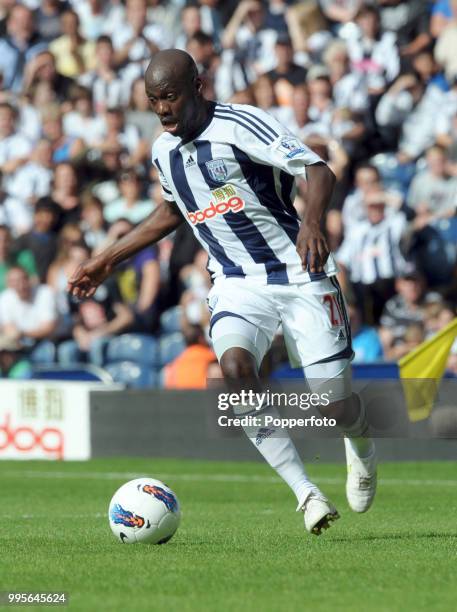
(170, 346)
(170, 320)
(139, 348)
(77, 372)
(136, 375)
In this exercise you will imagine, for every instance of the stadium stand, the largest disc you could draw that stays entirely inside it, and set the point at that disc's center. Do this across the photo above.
(366, 84)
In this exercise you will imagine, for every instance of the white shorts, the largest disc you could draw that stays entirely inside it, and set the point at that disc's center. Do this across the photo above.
(313, 316)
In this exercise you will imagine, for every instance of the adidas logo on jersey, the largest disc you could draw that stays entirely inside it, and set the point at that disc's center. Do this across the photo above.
(190, 161)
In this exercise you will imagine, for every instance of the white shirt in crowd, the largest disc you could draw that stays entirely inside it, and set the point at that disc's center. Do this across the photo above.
(31, 180)
(27, 316)
(16, 214)
(378, 60)
(139, 51)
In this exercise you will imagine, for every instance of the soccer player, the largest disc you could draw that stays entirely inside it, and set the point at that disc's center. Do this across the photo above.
(228, 171)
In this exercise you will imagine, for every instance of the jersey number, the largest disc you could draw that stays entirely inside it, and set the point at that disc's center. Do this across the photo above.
(336, 316)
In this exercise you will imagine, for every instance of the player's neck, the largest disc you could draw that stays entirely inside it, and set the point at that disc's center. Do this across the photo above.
(204, 118)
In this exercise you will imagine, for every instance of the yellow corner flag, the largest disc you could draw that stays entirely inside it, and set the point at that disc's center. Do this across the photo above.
(422, 369)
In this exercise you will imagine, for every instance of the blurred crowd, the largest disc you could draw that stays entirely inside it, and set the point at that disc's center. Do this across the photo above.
(370, 86)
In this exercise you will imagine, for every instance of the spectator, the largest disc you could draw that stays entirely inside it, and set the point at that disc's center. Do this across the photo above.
(403, 309)
(106, 84)
(81, 123)
(47, 18)
(18, 47)
(137, 39)
(191, 23)
(411, 110)
(365, 340)
(370, 256)
(139, 114)
(8, 260)
(367, 179)
(373, 53)
(15, 148)
(190, 369)
(64, 148)
(339, 12)
(264, 95)
(41, 69)
(410, 21)
(99, 17)
(74, 55)
(96, 320)
(413, 336)
(13, 362)
(297, 117)
(441, 17)
(195, 277)
(14, 212)
(349, 88)
(33, 180)
(64, 264)
(120, 135)
(28, 313)
(437, 314)
(41, 240)
(433, 194)
(286, 74)
(446, 45)
(138, 279)
(130, 205)
(201, 47)
(252, 42)
(429, 71)
(92, 223)
(65, 192)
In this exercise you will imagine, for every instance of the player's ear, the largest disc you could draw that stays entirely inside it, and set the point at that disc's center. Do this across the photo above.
(198, 85)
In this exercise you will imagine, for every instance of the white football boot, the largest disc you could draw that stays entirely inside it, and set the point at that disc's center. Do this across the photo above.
(318, 512)
(361, 478)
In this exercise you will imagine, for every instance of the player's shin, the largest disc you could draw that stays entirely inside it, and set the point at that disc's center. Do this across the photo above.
(333, 380)
(277, 448)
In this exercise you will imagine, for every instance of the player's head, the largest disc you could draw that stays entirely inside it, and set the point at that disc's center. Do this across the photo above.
(174, 90)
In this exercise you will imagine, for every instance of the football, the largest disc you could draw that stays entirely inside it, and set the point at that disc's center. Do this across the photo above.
(144, 510)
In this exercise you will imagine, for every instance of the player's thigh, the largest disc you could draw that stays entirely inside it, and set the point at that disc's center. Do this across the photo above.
(315, 323)
(242, 316)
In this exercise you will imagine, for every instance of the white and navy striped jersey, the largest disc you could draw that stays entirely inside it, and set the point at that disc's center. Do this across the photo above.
(234, 183)
(372, 252)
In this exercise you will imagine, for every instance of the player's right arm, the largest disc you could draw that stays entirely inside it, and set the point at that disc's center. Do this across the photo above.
(88, 276)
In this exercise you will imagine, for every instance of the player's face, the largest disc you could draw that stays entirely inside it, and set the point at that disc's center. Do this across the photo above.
(176, 105)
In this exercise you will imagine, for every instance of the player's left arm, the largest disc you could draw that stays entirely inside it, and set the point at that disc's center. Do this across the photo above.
(311, 244)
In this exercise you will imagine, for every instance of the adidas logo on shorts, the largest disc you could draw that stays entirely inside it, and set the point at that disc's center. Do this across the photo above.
(341, 336)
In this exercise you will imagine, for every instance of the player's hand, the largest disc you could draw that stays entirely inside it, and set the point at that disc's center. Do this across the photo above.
(88, 276)
(312, 248)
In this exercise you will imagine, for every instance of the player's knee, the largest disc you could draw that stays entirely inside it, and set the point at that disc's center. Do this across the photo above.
(344, 411)
(238, 364)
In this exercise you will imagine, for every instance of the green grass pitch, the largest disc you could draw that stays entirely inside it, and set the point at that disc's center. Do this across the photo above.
(241, 546)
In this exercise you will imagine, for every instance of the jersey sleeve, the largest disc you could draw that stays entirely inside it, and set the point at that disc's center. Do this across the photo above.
(166, 191)
(267, 141)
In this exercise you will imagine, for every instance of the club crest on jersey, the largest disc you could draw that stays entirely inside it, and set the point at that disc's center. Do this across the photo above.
(290, 146)
(217, 170)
